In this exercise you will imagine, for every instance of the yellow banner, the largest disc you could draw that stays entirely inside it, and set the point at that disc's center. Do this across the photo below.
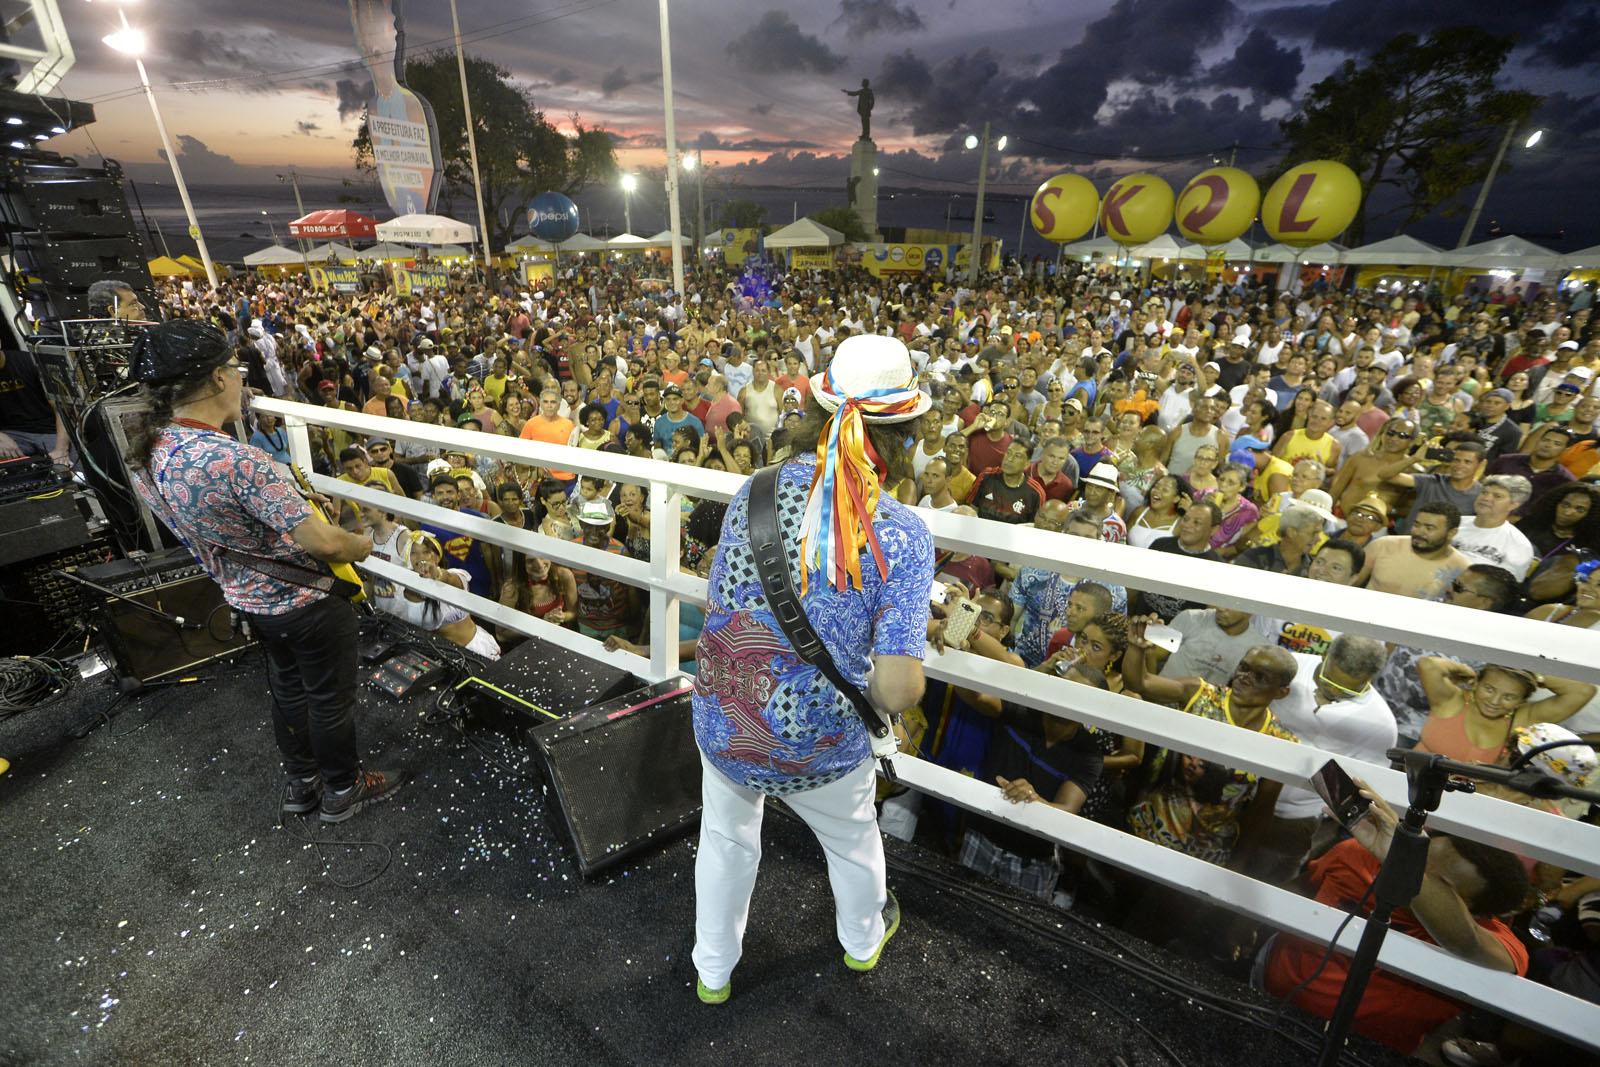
(537, 272)
(898, 258)
(339, 279)
(419, 278)
(736, 244)
(812, 261)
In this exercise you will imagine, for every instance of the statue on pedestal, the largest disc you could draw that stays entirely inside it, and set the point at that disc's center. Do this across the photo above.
(864, 102)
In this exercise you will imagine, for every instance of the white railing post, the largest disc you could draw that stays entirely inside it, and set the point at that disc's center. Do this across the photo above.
(299, 441)
(665, 547)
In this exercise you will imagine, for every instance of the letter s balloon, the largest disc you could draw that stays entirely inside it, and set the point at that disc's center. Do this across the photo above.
(1064, 207)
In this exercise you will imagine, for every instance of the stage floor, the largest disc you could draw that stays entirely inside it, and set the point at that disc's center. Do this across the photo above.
(156, 913)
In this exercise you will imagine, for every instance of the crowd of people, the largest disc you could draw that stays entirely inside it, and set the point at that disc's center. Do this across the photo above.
(1437, 447)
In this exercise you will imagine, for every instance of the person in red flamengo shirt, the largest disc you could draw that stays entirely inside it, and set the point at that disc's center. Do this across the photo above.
(987, 439)
(1007, 493)
(1467, 885)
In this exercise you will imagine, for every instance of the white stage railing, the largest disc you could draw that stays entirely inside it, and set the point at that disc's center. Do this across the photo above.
(1561, 650)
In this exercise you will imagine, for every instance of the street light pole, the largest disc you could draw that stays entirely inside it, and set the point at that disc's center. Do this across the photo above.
(700, 206)
(629, 183)
(270, 227)
(674, 218)
(1488, 180)
(133, 44)
(300, 212)
(977, 212)
(472, 144)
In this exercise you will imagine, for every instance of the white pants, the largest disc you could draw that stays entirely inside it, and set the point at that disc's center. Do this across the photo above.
(840, 814)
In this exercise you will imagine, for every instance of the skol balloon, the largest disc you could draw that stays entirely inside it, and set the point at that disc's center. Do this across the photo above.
(1217, 205)
(1136, 209)
(1311, 203)
(1063, 208)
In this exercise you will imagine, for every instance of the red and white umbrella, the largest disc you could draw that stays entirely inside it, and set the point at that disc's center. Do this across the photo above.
(335, 223)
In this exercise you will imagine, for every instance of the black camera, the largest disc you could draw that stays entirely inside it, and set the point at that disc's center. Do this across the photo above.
(1439, 452)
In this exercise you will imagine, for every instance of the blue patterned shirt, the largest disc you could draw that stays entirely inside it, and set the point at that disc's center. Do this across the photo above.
(764, 718)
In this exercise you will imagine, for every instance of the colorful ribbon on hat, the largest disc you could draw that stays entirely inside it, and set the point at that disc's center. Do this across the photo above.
(844, 491)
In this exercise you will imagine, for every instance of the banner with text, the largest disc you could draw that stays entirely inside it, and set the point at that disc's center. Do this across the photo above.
(419, 278)
(400, 125)
(812, 260)
(339, 279)
(537, 273)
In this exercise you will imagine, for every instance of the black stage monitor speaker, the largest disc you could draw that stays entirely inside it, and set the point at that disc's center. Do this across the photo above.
(624, 775)
(537, 682)
(145, 647)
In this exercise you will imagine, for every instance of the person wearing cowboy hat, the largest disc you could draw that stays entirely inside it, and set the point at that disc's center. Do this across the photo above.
(767, 722)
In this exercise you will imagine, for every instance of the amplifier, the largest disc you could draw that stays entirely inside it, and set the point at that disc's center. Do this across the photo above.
(39, 525)
(144, 570)
(623, 775)
(144, 646)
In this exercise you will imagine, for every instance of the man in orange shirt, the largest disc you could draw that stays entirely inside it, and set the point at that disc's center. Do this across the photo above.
(548, 426)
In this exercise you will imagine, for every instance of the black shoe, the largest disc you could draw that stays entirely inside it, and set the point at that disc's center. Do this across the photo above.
(339, 804)
(301, 795)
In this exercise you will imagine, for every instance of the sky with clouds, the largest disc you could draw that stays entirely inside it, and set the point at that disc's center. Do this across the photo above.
(1089, 85)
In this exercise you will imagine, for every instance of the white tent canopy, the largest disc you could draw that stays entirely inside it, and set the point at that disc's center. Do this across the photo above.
(804, 233)
(529, 243)
(664, 240)
(1584, 257)
(582, 242)
(627, 242)
(1236, 249)
(273, 256)
(1167, 246)
(386, 250)
(322, 252)
(1099, 246)
(1397, 251)
(1327, 252)
(426, 230)
(449, 252)
(1507, 253)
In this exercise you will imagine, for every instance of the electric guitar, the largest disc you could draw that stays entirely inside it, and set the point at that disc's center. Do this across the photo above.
(344, 572)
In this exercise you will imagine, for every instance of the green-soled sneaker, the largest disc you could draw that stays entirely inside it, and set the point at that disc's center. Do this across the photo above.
(891, 923)
(712, 996)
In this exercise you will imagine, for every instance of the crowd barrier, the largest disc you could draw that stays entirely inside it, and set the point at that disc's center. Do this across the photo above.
(1560, 650)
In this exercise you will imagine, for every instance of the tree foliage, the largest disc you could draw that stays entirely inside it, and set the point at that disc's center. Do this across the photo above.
(520, 154)
(1421, 117)
(845, 220)
(742, 215)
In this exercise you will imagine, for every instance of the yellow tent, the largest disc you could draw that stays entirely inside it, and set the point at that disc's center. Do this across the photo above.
(194, 265)
(167, 267)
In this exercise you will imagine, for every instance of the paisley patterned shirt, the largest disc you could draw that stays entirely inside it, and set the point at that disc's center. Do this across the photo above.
(763, 717)
(212, 491)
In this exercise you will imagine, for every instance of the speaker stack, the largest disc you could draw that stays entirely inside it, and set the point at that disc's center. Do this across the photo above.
(68, 226)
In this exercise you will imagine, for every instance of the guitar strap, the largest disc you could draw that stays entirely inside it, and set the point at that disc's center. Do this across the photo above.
(321, 581)
(772, 565)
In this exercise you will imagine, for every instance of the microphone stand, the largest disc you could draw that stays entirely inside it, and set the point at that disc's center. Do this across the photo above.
(1428, 778)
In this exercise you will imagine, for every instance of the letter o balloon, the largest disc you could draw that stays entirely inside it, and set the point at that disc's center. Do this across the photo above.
(1217, 205)
(1064, 207)
(1136, 209)
(1311, 203)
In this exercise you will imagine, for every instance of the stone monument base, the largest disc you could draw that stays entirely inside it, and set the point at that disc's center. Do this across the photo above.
(864, 184)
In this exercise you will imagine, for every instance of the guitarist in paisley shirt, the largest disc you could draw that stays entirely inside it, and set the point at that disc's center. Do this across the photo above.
(269, 549)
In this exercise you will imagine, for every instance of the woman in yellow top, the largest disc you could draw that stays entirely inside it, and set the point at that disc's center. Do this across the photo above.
(1308, 475)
